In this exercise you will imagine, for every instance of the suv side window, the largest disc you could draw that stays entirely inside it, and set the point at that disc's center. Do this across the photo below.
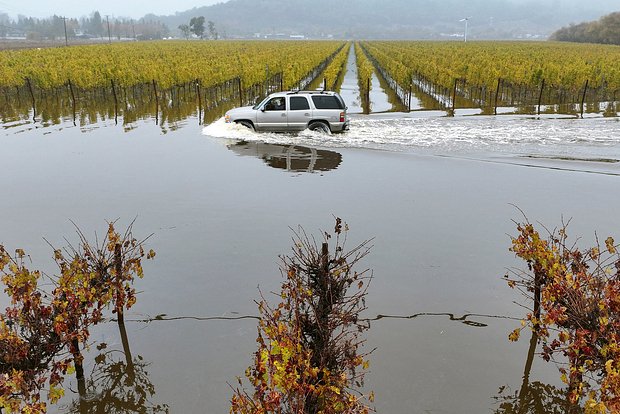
(327, 102)
(276, 104)
(299, 103)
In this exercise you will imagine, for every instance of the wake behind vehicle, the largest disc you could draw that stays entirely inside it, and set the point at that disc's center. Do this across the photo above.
(288, 111)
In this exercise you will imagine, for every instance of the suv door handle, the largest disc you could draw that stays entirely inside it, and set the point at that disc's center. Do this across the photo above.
(283, 114)
(307, 114)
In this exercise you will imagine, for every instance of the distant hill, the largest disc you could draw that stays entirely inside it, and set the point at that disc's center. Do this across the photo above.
(605, 30)
(490, 19)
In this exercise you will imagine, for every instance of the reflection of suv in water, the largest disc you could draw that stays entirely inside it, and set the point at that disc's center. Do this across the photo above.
(294, 111)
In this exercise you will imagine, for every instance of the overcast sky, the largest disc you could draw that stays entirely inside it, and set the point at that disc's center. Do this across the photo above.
(78, 8)
(137, 9)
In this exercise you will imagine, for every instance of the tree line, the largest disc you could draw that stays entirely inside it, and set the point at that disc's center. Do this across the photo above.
(88, 27)
(606, 30)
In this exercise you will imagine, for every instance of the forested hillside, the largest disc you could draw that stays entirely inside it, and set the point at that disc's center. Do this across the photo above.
(606, 30)
(391, 19)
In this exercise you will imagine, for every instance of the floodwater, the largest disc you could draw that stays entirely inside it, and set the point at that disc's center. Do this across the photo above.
(349, 90)
(437, 194)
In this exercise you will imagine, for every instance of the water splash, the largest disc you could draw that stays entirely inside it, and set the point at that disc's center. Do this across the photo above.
(584, 138)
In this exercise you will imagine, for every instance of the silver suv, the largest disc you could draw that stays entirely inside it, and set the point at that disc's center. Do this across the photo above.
(323, 111)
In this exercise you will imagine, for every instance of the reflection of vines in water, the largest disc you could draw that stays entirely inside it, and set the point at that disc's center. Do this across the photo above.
(118, 384)
(115, 387)
(538, 398)
(534, 397)
(465, 319)
(128, 105)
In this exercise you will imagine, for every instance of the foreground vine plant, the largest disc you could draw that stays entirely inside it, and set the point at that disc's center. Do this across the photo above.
(308, 359)
(576, 313)
(42, 334)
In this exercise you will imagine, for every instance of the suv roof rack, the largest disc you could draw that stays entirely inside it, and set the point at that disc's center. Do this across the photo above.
(295, 92)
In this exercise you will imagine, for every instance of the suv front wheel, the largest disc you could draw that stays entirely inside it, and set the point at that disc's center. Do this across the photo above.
(319, 127)
(247, 124)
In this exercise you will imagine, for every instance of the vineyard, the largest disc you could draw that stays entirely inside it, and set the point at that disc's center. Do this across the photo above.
(168, 63)
(174, 79)
(168, 74)
(334, 72)
(492, 73)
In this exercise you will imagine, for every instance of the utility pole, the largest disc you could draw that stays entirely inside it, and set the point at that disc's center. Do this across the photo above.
(133, 28)
(64, 19)
(107, 18)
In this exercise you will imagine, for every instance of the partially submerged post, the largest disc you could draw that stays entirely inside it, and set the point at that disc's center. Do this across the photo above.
(72, 99)
(499, 83)
(367, 95)
(542, 88)
(34, 109)
(409, 98)
(583, 97)
(199, 101)
(115, 102)
(454, 97)
(156, 102)
(240, 91)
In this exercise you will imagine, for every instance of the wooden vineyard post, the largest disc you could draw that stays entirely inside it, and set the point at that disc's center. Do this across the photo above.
(542, 88)
(281, 81)
(583, 97)
(199, 102)
(118, 267)
(34, 109)
(409, 98)
(156, 102)
(367, 93)
(499, 83)
(72, 99)
(454, 96)
(240, 91)
(537, 296)
(324, 84)
(115, 102)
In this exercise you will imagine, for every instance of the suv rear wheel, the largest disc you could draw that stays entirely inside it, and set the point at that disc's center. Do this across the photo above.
(319, 127)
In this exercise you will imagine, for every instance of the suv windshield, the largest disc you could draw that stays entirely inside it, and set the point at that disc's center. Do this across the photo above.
(260, 103)
(327, 102)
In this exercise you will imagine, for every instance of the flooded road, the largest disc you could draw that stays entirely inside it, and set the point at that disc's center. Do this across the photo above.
(436, 193)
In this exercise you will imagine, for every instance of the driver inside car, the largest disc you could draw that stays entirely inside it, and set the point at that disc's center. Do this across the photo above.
(276, 104)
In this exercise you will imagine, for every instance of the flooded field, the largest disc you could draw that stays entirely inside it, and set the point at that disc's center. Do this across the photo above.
(437, 194)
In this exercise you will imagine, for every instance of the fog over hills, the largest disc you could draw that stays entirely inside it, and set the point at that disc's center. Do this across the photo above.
(490, 19)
